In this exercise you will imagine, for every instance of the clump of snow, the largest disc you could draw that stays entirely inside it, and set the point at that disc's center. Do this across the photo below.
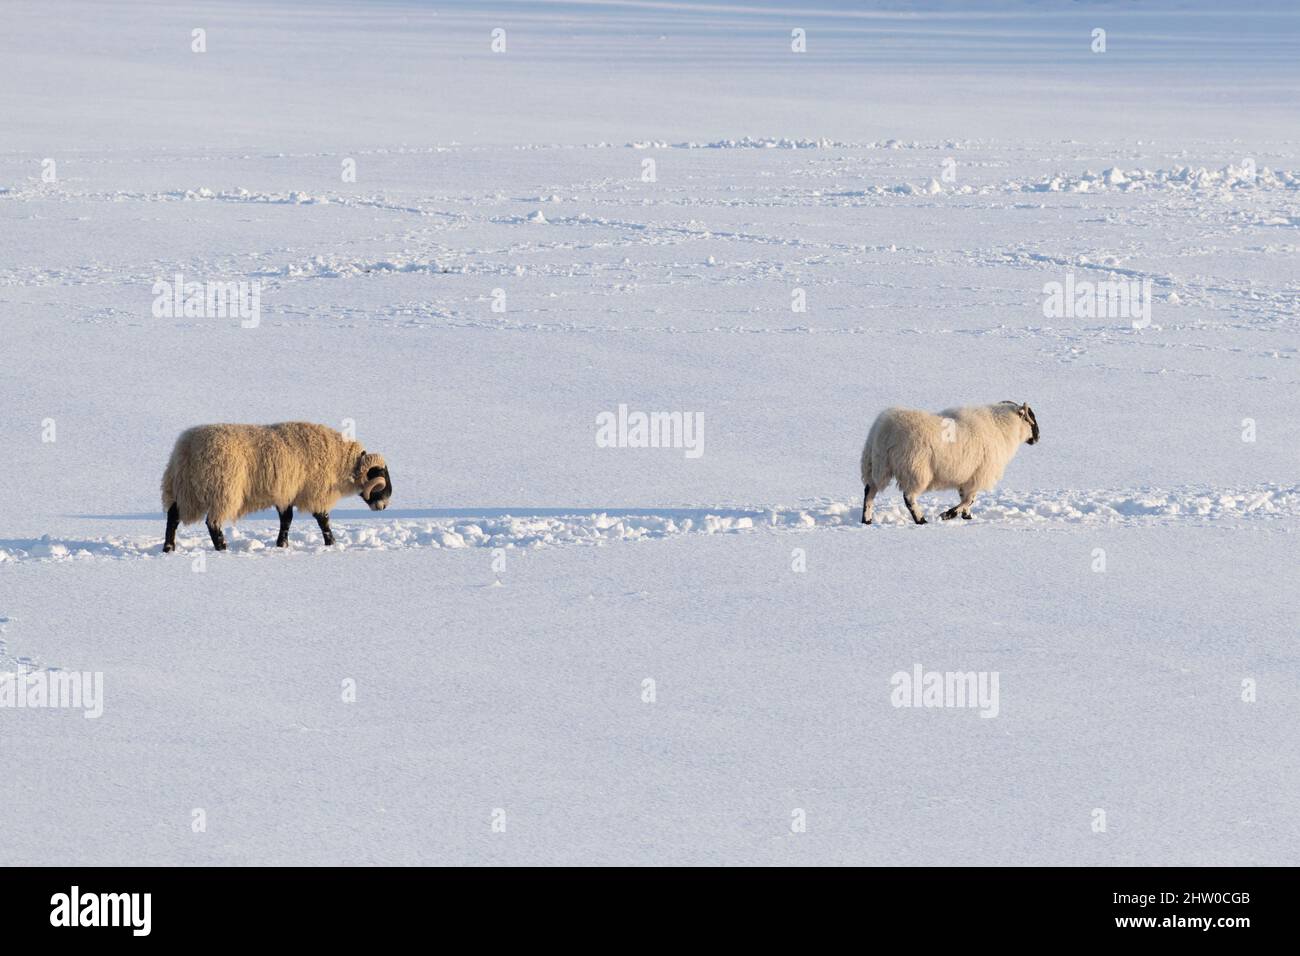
(334, 267)
(45, 548)
(765, 142)
(1178, 178)
(293, 197)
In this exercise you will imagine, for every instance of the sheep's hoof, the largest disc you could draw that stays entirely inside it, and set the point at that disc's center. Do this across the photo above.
(949, 514)
(866, 521)
(282, 542)
(168, 548)
(965, 516)
(921, 521)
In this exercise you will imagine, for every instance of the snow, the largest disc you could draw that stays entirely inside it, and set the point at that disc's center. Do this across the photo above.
(497, 276)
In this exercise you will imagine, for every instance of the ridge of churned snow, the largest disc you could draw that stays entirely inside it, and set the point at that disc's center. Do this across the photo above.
(557, 527)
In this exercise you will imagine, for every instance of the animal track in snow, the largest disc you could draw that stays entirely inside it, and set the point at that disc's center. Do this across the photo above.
(551, 527)
(11, 663)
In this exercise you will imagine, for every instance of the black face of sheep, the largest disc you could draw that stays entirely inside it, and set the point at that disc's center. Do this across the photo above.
(377, 489)
(1027, 414)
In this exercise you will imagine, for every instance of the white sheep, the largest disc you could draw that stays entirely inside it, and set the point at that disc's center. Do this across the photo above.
(962, 448)
(228, 471)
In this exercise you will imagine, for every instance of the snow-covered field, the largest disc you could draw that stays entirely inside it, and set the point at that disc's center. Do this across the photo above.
(548, 651)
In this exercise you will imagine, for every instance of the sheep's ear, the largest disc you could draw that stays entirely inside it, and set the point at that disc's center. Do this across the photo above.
(1024, 411)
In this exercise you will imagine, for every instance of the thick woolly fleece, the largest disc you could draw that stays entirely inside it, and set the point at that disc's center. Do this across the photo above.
(224, 472)
(922, 452)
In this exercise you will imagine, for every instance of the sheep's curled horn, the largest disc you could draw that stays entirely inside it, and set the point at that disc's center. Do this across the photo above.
(374, 484)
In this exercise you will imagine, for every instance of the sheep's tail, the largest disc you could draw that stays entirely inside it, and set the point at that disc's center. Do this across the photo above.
(181, 486)
(865, 464)
(874, 468)
(169, 484)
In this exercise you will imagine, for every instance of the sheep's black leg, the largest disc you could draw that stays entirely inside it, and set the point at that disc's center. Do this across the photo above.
(286, 518)
(869, 493)
(323, 519)
(218, 539)
(917, 516)
(963, 506)
(173, 522)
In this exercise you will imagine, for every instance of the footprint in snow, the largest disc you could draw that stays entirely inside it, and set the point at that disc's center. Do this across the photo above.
(12, 664)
